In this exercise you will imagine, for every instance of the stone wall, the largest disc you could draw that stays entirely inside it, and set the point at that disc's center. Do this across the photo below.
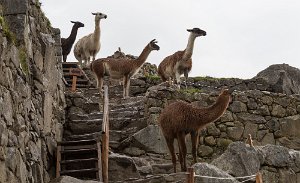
(271, 118)
(31, 94)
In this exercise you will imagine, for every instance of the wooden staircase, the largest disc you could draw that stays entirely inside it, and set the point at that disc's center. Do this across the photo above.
(82, 81)
(80, 159)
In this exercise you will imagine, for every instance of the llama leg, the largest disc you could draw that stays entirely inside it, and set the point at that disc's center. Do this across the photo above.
(126, 84)
(64, 58)
(182, 150)
(186, 77)
(178, 80)
(170, 143)
(195, 142)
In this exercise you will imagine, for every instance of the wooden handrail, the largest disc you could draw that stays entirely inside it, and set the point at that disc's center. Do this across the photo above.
(105, 137)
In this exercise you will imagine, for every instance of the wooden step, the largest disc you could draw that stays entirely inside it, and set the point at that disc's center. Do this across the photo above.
(75, 142)
(79, 81)
(79, 170)
(78, 160)
(84, 150)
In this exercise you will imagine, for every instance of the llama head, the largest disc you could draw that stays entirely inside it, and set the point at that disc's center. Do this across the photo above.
(77, 24)
(153, 45)
(226, 94)
(99, 16)
(197, 32)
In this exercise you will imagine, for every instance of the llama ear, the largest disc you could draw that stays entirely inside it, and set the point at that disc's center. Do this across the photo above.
(189, 30)
(73, 22)
(153, 41)
(94, 13)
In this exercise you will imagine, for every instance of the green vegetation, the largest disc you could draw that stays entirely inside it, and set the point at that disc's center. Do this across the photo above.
(206, 78)
(191, 90)
(153, 77)
(6, 32)
(23, 60)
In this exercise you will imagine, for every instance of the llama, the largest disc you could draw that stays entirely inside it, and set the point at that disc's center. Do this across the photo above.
(89, 45)
(121, 68)
(173, 66)
(180, 118)
(67, 43)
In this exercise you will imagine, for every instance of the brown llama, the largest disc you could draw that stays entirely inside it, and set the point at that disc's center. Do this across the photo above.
(181, 118)
(173, 66)
(121, 68)
(67, 43)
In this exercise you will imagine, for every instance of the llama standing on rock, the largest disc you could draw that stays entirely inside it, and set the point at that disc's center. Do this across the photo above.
(121, 68)
(173, 66)
(67, 43)
(180, 118)
(89, 45)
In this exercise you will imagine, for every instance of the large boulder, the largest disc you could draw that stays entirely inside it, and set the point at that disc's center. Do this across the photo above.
(121, 168)
(282, 78)
(204, 169)
(239, 160)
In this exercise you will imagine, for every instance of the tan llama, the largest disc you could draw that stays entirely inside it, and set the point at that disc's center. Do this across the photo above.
(122, 68)
(173, 66)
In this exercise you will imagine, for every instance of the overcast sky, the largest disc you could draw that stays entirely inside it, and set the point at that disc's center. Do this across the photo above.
(243, 36)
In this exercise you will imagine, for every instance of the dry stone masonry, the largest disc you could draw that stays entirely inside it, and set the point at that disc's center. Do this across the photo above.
(31, 94)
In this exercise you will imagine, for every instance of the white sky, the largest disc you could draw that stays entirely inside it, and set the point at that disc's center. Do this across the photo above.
(243, 36)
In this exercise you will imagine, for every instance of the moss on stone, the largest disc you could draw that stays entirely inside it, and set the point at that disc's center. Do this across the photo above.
(6, 32)
(23, 60)
(206, 78)
(153, 77)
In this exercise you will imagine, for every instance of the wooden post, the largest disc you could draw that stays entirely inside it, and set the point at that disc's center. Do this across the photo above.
(191, 175)
(105, 137)
(249, 140)
(74, 72)
(99, 163)
(58, 159)
(258, 178)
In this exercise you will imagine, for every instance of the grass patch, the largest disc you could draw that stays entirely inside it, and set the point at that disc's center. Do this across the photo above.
(206, 78)
(23, 60)
(153, 77)
(191, 90)
(6, 32)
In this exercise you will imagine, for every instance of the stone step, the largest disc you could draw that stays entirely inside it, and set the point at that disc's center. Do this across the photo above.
(94, 125)
(118, 113)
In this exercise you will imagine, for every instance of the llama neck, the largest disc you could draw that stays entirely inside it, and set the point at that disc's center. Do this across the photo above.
(213, 112)
(73, 34)
(189, 48)
(97, 30)
(143, 56)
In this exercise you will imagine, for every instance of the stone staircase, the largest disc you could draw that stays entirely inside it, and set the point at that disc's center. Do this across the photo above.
(126, 117)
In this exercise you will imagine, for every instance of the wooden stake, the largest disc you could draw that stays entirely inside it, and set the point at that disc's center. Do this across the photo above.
(105, 137)
(249, 140)
(99, 163)
(258, 178)
(74, 72)
(191, 175)
(74, 82)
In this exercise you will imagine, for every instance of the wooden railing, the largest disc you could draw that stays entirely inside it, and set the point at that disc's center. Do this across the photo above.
(105, 136)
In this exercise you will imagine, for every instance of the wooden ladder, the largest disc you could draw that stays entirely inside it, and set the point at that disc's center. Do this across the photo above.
(80, 159)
